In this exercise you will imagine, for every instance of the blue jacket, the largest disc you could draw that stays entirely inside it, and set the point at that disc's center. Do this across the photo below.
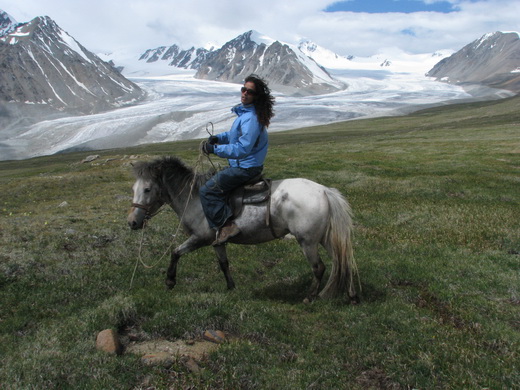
(245, 144)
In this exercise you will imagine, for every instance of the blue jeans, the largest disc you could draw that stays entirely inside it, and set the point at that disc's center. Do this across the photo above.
(214, 194)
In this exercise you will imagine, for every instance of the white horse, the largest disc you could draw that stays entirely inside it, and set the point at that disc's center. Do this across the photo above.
(313, 213)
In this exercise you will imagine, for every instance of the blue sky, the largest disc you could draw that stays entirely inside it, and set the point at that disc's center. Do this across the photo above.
(356, 27)
(383, 6)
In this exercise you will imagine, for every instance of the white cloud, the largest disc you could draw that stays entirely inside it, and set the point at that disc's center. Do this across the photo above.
(102, 25)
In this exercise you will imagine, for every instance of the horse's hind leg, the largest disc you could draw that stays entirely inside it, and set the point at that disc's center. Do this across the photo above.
(220, 250)
(318, 268)
(350, 287)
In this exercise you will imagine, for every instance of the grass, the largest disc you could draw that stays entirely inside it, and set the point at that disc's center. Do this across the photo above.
(437, 241)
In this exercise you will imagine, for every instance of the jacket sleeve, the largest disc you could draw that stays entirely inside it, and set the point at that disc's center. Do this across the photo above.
(250, 130)
(223, 138)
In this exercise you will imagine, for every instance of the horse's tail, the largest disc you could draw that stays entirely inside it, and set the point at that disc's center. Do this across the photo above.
(338, 242)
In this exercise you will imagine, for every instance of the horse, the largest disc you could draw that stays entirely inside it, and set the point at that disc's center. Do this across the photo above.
(314, 214)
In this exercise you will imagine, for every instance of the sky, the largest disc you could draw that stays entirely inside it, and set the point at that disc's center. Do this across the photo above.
(354, 27)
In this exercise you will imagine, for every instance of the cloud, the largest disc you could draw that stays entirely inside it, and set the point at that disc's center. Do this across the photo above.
(364, 34)
(104, 26)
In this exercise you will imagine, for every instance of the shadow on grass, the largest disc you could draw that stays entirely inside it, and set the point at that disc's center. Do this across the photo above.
(293, 291)
(370, 293)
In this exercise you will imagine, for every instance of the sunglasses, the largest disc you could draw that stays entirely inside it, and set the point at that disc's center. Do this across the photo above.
(248, 90)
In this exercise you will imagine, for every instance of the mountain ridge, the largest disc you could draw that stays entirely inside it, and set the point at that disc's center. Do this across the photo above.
(42, 64)
(284, 66)
(7, 23)
(492, 60)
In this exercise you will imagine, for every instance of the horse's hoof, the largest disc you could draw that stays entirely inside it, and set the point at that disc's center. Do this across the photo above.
(170, 284)
(355, 300)
(306, 301)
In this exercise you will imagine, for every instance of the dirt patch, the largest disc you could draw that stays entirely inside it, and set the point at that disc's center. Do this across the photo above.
(196, 350)
(376, 379)
(444, 312)
(166, 353)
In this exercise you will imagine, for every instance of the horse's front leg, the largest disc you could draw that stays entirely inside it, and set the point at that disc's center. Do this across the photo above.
(191, 244)
(171, 273)
(220, 250)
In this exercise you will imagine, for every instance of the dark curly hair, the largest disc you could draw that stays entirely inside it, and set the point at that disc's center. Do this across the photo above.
(264, 101)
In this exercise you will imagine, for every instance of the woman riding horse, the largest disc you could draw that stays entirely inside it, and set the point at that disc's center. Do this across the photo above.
(245, 146)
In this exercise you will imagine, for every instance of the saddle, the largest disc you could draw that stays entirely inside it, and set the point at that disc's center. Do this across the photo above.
(257, 190)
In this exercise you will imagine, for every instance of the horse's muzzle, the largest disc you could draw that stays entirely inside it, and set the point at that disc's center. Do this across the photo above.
(136, 219)
(134, 225)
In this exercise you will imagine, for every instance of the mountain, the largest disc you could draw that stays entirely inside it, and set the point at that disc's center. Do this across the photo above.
(7, 23)
(493, 60)
(40, 64)
(287, 68)
(322, 56)
(388, 59)
(284, 66)
(175, 56)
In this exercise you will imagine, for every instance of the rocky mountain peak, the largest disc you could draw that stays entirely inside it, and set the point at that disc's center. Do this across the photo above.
(284, 66)
(175, 56)
(42, 64)
(7, 23)
(491, 60)
(307, 45)
(42, 26)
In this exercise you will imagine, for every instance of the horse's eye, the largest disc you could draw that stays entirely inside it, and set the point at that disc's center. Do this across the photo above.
(147, 190)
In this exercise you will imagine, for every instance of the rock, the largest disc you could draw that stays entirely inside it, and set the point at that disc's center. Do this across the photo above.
(90, 158)
(215, 336)
(108, 341)
(190, 364)
(63, 204)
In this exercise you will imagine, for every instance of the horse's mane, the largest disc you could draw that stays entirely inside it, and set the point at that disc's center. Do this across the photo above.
(172, 170)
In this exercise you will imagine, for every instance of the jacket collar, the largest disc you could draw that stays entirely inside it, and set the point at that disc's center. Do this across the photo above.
(240, 109)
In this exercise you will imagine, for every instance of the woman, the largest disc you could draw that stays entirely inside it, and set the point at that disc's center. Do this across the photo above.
(245, 146)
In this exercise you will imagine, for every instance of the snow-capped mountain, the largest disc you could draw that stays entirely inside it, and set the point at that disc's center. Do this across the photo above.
(492, 60)
(175, 56)
(311, 66)
(43, 65)
(391, 59)
(7, 23)
(287, 68)
(284, 66)
(322, 56)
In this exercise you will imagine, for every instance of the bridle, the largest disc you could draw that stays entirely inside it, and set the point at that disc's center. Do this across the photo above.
(146, 208)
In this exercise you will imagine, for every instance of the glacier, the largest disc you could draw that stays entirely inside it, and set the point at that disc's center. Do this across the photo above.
(180, 107)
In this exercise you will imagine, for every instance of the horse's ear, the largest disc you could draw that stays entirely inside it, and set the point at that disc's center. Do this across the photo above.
(155, 173)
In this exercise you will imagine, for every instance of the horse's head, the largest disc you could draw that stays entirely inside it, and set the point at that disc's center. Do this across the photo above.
(157, 182)
(146, 202)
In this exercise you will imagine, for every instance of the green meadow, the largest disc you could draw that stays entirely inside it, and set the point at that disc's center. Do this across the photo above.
(436, 198)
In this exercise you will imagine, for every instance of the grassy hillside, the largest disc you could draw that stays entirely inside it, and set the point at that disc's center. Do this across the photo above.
(436, 198)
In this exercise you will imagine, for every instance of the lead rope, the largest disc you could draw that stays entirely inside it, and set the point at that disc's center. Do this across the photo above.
(198, 165)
